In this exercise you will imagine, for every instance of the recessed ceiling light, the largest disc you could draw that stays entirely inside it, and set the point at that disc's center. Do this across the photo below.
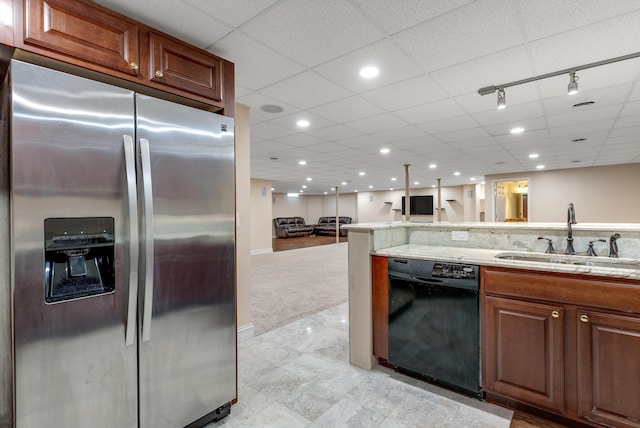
(472, 179)
(302, 162)
(355, 191)
(539, 166)
(303, 123)
(344, 183)
(309, 178)
(433, 185)
(304, 186)
(272, 189)
(370, 187)
(517, 130)
(456, 173)
(301, 191)
(384, 151)
(361, 173)
(393, 179)
(369, 72)
(416, 183)
(326, 193)
(333, 188)
(390, 188)
(533, 156)
(433, 165)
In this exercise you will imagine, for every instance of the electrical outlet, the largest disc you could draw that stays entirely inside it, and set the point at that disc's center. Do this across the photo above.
(459, 235)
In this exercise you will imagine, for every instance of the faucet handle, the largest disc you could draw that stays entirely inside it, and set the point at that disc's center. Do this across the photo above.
(550, 248)
(591, 251)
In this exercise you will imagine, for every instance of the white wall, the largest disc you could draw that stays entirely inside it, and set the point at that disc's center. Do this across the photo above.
(385, 206)
(243, 212)
(261, 216)
(605, 194)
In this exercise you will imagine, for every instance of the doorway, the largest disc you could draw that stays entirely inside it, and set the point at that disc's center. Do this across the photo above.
(511, 200)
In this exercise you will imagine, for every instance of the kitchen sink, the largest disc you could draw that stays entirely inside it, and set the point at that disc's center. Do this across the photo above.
(572, 260)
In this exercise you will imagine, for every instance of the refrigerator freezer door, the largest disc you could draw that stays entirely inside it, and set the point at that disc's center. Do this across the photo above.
(72, 366)
(188, 350)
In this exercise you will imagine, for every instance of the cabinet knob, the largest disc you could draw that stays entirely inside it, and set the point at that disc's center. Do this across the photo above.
(584, 318)
(159, 74)
(555, 314)
(133, 66)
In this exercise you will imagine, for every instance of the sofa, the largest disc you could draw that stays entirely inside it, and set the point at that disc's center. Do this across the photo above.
(291, 227)
(327, 225)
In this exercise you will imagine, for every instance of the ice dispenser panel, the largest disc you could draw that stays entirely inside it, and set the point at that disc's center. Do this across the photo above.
(79, 257)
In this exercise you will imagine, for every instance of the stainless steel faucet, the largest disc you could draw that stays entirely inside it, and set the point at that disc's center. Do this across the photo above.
(571, 219)
(613, 245)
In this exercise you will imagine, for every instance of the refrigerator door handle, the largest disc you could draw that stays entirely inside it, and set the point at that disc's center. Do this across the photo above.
(145, 158)
(130, 169)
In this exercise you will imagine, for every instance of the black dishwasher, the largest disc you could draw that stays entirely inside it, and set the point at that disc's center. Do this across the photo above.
(434, 322)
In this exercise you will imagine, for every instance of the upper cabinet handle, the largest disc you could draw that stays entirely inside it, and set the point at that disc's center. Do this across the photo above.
(159, 73)
(555, 314)
(133, 66)
(584, 318)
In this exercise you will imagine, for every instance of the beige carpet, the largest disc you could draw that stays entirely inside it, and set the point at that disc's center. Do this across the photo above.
(290, 285)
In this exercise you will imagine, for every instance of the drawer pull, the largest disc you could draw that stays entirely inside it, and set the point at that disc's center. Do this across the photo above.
(159, 74)
(133, 66)
(584, 318)
(555, 314)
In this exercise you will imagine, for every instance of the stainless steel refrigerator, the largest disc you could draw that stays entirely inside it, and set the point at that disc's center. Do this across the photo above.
(123, 255)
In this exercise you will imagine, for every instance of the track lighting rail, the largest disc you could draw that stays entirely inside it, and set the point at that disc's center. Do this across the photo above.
(491, 89)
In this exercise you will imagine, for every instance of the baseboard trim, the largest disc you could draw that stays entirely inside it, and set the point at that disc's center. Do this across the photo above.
(246, 332)
(262, 251)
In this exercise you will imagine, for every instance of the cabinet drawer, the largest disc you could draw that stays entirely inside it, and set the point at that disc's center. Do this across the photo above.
(184, 67)
(83, 31)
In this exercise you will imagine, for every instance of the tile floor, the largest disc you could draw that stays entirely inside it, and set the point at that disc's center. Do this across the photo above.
(299, 376)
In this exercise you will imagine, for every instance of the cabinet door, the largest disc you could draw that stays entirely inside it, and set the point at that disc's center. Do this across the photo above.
(609, 368)
(523, 351)
(184, 67)
(380, 302)
(83, 31)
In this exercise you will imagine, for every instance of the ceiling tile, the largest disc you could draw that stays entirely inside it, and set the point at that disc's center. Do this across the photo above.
(336, 132)
(347, 109)
(584, 115)
(233, 12)
(268, 131)
(430, 112)
(513, 114)
(410, 92)
(471, 31)
(396, 16)
(256, 66)
(544, 18)
(289, 121)
(306, 90)
(255, 100)
(393, 64)
(312, 32)
(449, 125)
(375, 124)
(400, 134)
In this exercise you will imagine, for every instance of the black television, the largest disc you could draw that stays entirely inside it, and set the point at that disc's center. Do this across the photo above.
(419, 205)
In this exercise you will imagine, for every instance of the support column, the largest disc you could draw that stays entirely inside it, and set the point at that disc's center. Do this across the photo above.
(439, 201)
(407, 193)
(337, 216)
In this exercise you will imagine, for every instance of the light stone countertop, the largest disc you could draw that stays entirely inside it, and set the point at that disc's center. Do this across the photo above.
(485, 257)
(602, 227)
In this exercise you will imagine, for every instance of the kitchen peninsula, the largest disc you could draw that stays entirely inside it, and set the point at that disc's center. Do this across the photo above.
(546, 318)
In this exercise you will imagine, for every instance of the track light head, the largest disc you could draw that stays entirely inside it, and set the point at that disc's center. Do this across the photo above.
(502, 100)
(573, 83)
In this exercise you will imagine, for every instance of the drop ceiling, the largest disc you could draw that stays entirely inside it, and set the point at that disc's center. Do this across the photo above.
(433, 56)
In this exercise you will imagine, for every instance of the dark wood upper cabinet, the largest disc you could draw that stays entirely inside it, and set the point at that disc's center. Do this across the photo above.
(84, 31)
(183, 67)
(96, 39)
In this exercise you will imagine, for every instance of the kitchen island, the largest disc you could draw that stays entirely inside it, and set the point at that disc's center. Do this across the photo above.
(545, 317)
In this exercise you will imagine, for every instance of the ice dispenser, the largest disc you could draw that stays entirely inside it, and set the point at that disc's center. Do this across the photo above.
(79, 257)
